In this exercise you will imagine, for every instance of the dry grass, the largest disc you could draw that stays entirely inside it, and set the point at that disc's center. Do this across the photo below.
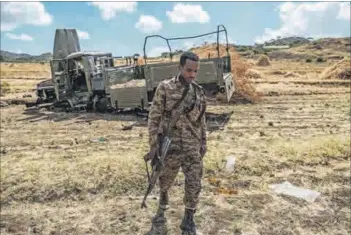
(4, 88)
(251, 73)
(23, 77)
(58, 177)
(32, 71)
(297, 78)
(20, 85)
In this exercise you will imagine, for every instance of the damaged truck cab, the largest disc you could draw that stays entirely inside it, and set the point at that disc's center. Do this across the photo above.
(91, 81)
(214, 76)
(78, 78)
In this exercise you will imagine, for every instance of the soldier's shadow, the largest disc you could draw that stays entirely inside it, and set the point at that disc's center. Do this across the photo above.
(217, 121)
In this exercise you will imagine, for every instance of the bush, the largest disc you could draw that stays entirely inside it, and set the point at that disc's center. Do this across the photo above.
(4, 88)
(309, 60)
(320, 60)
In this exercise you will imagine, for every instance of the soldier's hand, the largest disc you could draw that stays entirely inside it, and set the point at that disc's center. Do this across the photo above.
(203, 150)
(150, 155)
(147, 157)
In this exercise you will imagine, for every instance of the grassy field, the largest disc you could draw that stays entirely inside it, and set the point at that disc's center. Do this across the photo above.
(80, 173)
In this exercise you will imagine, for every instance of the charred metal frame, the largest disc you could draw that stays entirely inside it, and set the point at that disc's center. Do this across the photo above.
(190, 37)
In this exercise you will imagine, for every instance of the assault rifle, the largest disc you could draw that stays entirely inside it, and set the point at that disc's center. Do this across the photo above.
(157, 164)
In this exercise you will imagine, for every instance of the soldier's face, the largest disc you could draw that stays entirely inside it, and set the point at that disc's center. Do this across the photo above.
(189, 70)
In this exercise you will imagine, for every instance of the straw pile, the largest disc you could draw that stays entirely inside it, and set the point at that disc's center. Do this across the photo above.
(251, 73)
(263, 61)
(245, 91)
(292, 75)
(140, 61)
(340, 70)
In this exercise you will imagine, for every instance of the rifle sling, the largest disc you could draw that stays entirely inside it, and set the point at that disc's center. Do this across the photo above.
(176, 116)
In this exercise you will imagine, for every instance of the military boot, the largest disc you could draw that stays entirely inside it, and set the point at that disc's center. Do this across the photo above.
(188, 225)
(159, 221)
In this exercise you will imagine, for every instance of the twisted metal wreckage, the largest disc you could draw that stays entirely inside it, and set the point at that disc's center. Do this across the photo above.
(90, 81)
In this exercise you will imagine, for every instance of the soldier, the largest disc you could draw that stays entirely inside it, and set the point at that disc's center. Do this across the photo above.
(188, 145)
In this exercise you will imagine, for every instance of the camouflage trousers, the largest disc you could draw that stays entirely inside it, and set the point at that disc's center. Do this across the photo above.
(190, 161)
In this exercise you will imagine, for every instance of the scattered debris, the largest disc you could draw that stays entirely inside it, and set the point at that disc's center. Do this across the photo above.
(99, 140)
(291, 190)
(3, 103)
(230, 163)
(217, 121)
(241, 183)
(214, 181)
(128, 127)
(226, 191)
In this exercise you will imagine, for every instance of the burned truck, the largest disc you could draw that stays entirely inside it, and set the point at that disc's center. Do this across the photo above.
(92, 81)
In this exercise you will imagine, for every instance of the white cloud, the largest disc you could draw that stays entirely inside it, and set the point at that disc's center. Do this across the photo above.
(344, 11)
(23, 37)
(83, 35)
(186, 13)
(156, 51)
(109, 10)
(15, 14)
(223, 40)
(148, 24)
(197, 42)
(188, 45)
(301, 18)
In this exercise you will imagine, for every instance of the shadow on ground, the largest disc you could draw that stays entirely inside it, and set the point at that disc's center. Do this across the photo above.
(215, 121)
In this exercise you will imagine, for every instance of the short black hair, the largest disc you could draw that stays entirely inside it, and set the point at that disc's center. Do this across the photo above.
(188, 55)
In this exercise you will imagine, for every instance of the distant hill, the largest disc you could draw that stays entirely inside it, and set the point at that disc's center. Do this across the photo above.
(299, 48)
(288, 41)
(326, 48)
(22, 57)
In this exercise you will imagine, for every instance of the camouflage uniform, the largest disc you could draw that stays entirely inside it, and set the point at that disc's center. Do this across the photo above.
(188, 136)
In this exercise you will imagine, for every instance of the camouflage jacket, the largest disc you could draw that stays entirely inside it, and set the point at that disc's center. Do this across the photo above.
(190, 130)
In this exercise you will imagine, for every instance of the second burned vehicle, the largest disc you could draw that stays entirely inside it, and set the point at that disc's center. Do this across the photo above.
(92, 81)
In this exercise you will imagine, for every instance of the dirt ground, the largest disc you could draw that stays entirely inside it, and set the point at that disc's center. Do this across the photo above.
(80, 173)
